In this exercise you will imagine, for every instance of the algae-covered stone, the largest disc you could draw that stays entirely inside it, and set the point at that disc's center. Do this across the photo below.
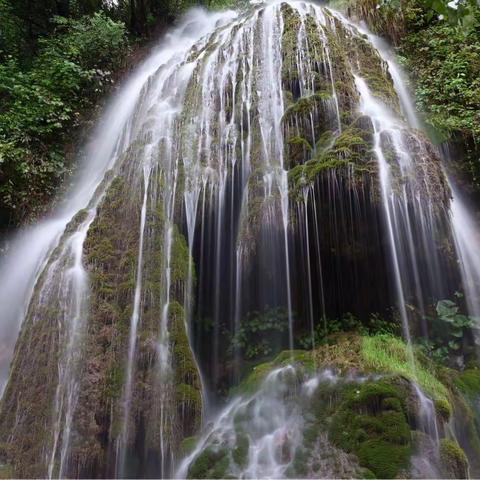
(355, 407)
(372, 423)
(211, 463)
(453, 459)
(349, 154)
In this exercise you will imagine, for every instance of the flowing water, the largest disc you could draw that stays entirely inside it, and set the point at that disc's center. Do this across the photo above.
(261, 162)
(466, 232)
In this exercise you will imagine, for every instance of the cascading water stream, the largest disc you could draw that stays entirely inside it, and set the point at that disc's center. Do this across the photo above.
(67, 390)
(462, 223)
(112, 141)
(274, 424)
(466, 232)
(29, 250)
(382, 121)
(133, 329)
(256, 166)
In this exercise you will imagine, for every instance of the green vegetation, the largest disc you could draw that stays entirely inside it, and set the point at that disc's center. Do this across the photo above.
(363, 422)
(450, 333)
(350, 148)
(389, 353)
(211, 463)
(57, 60)
(301, 358)
(375, 324)
(445, 61)
(372, 423)
(453, 458)
(469, 382)
(260, 333)
(43, 98)
(188, 445)
(440, 49)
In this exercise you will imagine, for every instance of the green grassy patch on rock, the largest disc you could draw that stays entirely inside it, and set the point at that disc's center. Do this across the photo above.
(386, 353)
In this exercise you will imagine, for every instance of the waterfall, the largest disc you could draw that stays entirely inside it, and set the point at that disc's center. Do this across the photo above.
(275, 425)
(261, 173)
(465, 232)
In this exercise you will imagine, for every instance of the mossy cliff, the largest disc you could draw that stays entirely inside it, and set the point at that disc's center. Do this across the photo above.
(28, 411)
(111, 250)
(324, 131)
(29, 414)
(111, 253)
(260, 146)
(361, 417)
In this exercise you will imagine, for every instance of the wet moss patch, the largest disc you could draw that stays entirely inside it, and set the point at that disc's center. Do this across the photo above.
(372, 423)
(453, 459)
(211, 463)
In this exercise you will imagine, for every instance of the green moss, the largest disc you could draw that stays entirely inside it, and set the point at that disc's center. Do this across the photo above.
(386, 353)
(180, 257)
(186, 377)
(298, 150)
(468, 382)
(350, 149)
(187, 445)
(185, 366)
(443, 409)
(372, 423)
(211, 463)
(303, 175)
(186, 394)
(301, 358)
(240, 452)
(76, 221)
(115, 379)
(382, 458)
(453, 459)
(305, 105)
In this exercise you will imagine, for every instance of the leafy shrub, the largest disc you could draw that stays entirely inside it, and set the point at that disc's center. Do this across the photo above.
(375, 324)
(448, 330)
(261, 333)
(39, 104)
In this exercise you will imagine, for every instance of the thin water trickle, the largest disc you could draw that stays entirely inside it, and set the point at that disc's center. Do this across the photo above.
(384, 121)
(467, 235)
(132, 342)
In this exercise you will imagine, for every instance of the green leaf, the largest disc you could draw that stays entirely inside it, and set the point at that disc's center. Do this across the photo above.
(453, 345)
(446, 309)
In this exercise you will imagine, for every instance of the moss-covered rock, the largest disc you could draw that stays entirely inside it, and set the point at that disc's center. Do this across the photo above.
(187, 445)
(443, 409)
(352, 408)
(211, 463)
(372, 423)
(300, 358)
(453, 459)
(466, 415)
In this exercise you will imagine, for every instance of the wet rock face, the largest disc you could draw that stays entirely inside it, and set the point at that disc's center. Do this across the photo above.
(28, 409)
(334, 412)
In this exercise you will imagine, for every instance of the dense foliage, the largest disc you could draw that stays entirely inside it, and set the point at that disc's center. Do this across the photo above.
(444, 60)
(42, 101)
(57, 59)
(439, 45)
